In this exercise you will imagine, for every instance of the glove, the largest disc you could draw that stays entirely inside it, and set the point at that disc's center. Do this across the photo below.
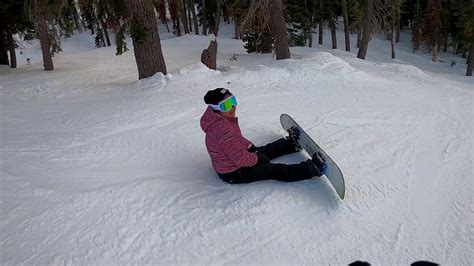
(320, 166)
(262, 158)
(252, 148)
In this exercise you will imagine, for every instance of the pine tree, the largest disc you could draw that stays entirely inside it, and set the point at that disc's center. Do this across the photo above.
(13, 20)
(374, 13)
(160, 7)
(356, 16)
(94, 12)
(368, 9)
(145, 37)
(218, 17)
(300, 16)
(331, 17)
(41, 26)
(3, 47)
(467, 33)
(263, 25)
(184, 18)
(320, 18)
(416, 28)
(392, 19)
(278, 30)
(174, 12)
(207, 14)
(470, 61)
(345, 16)
(433, 26)
(192, 9)
(238, 11)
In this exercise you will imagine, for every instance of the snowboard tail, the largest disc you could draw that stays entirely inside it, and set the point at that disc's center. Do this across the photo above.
(333, 174)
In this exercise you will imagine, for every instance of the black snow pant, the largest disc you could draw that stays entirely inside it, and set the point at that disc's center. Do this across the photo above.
(276, 171)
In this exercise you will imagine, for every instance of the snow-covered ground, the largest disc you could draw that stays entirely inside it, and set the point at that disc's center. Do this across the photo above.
(99, 168)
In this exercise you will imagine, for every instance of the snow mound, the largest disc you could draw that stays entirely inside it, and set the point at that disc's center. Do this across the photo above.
(197, 70)
(327, 62)
(401, 71)
(157, 80)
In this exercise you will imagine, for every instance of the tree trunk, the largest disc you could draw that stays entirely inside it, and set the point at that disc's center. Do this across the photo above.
(184, 17)
(148, 54)
(218, 17)
(398, 29)
(394, 37)
(308, 28)
(100, 32)
(446, 27)
(359, 38)
(77, 20)
(204, 23)
(160, 6)
(237, 28)
(434, 52)
(84, 26)
(193, 13)
(310, 37)
(106, 32)
(188, 12)
(278, 29)
(42, 31)
(11, 46)
(470, 61)
(178, 27)
(445, 49)
(264, 45)
(320, 33)
(364, 43)
(167, 27)
(174, 13)
(3, 48)
(332, 26)
(346, 26)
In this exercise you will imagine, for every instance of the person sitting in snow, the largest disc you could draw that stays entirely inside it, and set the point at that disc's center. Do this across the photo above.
(236, 160)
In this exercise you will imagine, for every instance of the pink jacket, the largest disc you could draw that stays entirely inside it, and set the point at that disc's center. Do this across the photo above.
(225, 144)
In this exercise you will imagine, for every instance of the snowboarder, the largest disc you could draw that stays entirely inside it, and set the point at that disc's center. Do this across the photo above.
(236, 160)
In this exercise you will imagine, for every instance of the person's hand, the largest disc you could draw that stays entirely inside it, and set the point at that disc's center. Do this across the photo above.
(320, 162)
(262, 158)
(252, 148)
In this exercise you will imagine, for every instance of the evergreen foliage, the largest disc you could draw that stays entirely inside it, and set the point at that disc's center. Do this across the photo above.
(301, 19)
(138, 31)
(120, 40)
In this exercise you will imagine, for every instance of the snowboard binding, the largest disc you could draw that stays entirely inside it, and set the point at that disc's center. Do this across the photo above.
(294, 136)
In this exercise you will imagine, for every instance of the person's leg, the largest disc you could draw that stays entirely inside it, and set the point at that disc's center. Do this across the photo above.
(280, 172)
(278, 148)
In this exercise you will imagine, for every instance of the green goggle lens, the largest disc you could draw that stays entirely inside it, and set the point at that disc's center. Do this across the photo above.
(227, 104)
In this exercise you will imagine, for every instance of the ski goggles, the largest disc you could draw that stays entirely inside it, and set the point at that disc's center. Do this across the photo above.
(225, 105)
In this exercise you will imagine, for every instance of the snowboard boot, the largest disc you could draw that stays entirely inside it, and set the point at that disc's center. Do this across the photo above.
(293, 137)
(317, 165)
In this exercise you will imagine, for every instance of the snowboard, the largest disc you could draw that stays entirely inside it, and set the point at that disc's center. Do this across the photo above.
(333, 173)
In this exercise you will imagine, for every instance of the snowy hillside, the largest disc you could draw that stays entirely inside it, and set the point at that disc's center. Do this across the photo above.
(99, 168)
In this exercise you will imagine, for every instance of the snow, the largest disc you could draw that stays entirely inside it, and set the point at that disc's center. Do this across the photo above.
(99, 168)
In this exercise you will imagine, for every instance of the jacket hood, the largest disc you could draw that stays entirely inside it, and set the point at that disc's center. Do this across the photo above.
(209, 119)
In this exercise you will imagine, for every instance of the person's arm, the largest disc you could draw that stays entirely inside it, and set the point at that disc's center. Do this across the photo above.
(239, 155)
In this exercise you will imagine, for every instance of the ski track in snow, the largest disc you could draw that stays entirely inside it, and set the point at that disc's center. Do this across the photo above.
(97, 168)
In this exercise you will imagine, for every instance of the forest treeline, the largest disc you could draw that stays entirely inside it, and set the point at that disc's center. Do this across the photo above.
(265, 26)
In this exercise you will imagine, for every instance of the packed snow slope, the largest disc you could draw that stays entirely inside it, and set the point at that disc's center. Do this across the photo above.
(99, 168)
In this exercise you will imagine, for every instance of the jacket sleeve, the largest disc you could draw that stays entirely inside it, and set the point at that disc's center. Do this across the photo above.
(238, 153)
